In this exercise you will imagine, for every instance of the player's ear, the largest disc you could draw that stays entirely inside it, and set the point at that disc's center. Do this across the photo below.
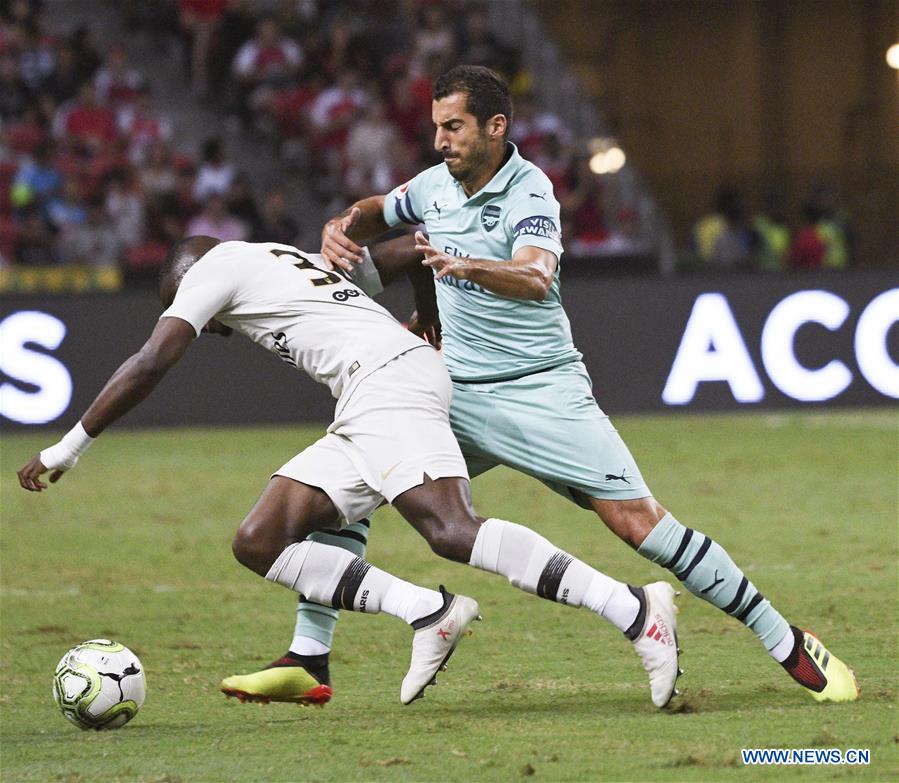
(497, 126)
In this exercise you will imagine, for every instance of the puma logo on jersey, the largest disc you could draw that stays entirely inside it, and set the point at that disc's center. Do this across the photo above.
(613, 477)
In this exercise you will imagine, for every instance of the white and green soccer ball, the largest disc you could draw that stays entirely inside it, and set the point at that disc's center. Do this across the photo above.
(99, 685)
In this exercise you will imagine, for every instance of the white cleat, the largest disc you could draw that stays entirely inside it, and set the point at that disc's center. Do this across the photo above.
(657, 643)
(435, 642)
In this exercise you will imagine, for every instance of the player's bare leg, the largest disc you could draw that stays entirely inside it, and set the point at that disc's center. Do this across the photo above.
(313, 635)
(290, 677)
(709, 573)
(286, 512)
(272, 541)
(441, 511)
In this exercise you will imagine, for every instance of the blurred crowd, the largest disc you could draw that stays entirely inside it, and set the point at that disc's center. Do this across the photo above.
(90, 176)
(730, 238)
(343, 89)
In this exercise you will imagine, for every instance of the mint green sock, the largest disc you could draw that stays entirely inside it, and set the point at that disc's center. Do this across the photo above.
(709, 573)
(315, 620)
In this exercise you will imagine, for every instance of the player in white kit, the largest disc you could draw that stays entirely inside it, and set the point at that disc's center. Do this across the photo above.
(390, 440)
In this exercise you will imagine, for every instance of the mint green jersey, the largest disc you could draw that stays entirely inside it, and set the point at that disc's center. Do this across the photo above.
(487, 336)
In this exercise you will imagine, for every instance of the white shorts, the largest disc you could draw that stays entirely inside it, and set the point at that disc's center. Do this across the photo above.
(393, 430)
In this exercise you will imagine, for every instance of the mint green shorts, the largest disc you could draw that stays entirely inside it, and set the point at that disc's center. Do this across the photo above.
(549, 426)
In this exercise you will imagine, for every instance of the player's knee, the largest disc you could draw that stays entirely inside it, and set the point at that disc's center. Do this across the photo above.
(251, 550)
(451, 538)
(630, 520)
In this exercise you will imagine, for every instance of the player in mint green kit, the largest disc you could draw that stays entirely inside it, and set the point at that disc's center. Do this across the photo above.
(521, 396)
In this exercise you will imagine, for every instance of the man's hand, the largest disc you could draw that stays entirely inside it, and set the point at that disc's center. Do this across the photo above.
(443, 264)
(337, 248)
(59, 458)
(29, 475)
(426, 328)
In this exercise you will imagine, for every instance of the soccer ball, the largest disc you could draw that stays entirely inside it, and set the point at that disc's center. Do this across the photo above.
(99, 685)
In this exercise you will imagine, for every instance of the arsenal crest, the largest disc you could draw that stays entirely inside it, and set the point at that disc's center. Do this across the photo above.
(490, 216)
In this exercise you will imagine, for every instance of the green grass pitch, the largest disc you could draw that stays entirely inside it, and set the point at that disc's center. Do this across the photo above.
(134, 545)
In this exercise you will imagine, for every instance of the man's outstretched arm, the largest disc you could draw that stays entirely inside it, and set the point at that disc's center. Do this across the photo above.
(362, 221)
(128, 386)
(527, 275)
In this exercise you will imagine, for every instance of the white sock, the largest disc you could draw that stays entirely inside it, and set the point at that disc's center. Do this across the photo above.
(306, 645)
(332, 576)
(781, 651)
(535, 565)
(408, 602)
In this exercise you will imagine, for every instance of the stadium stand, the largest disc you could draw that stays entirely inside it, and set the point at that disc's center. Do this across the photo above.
(321, 103)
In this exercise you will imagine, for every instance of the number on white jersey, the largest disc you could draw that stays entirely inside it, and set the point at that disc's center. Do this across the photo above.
(330, 278)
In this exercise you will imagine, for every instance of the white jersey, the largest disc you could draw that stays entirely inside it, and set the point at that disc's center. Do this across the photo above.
(289, 302)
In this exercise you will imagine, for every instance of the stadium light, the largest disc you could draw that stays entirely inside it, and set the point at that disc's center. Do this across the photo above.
(608, 161)
(893, 56)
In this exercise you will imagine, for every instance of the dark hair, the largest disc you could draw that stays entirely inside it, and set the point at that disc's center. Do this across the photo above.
(486, 92)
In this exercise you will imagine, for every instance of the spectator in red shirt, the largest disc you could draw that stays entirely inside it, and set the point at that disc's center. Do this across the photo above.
(334, 111)
(88, 124)
(808, 248)
(267, 61)
(290, 108)
(142, 126)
